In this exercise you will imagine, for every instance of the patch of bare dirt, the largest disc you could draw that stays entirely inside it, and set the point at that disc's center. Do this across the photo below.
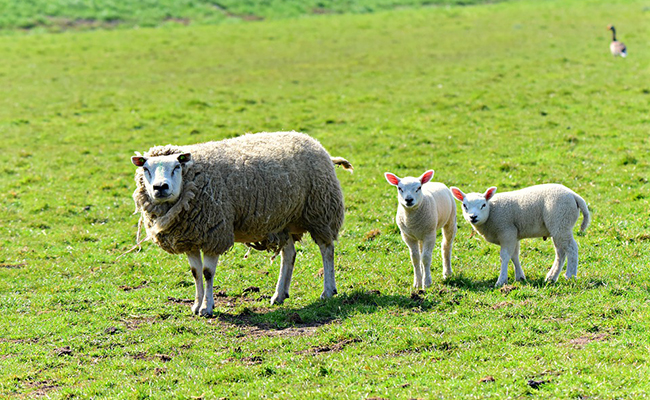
(127, 288)
(41, 388)
(501, 305)
(334, 347)
(581, 341)
(505, 289)
(13, 266)
(149, 357)
(136, 322)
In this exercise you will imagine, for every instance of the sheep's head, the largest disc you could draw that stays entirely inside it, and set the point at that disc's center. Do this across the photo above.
(163, 175)
(409, 189)
(476, 206)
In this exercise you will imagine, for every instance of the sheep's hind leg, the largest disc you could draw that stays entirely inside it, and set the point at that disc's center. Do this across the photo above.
(427, 253)
(560, 256)
(519, 273)
(196, 266)
(288, 255)
(414, 249)
(448, 235)
(572, 259)
(209, 267)
(329, 282)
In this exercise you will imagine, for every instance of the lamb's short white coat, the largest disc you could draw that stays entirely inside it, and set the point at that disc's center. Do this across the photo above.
(549, 210)
(423, 208)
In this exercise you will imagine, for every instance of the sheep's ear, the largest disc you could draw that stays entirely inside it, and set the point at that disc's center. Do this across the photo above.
(392, 178)
(185, 157)
(490, 192)
(138, 161)
(426, 177)
(457, 193)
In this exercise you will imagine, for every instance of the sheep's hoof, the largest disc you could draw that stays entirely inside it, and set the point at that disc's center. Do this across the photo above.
(196, 307)
(500, 283)
(278, 298)
(205, 312)
(327, 294)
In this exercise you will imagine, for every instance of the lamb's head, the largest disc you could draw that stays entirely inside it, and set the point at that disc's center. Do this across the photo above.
(409, 189)
(163, 176)
(476, 206)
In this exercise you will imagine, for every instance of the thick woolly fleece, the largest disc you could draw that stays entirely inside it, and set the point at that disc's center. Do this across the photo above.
(256, 188)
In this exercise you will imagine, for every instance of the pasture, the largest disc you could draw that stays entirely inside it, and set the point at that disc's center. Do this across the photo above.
(508, 94)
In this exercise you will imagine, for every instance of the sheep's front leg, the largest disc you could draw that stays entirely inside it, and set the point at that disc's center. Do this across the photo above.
(329, 283)
(519, 273)
(507, 250)
(414, 249)
(427, 253)
(209, 267)
(196, 266)
(286, 270)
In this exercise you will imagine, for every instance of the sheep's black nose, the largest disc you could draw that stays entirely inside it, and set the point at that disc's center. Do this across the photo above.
(409, 201)
(473, 218)
(161, 188)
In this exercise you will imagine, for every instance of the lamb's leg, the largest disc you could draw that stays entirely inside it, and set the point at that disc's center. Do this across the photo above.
(329, 283)
(414, 249)
(507, 250)
(560, 256)
(519, 273)
(572, 259)
(286, 271)
(427, 254)
(209, 266)
(196, 266)
(448, 235)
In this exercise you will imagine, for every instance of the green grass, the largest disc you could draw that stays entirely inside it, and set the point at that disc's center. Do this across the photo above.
(508, 94)
(58, 15)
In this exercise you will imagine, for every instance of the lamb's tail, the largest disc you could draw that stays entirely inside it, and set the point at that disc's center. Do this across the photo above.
(586, 217)
(343, 163)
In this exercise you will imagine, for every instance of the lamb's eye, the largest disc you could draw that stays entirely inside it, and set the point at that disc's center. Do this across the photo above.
(465, 206)
(418, 189)
(400, 189)
(483, 206)
(146, 171)
(176, 168)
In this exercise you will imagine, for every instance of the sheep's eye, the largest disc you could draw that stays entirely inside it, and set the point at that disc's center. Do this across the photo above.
(400, 189)
(465, 206)
(176, 168)
(418, 189)
(483, 206)
(146, 170)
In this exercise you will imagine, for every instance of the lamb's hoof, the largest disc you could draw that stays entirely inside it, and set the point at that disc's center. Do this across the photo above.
(500, 283)
(550, 279)
(196, 307)
(521, 279)
(279, 298)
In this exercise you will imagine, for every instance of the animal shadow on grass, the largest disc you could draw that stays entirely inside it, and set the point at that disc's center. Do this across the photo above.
(324, 312)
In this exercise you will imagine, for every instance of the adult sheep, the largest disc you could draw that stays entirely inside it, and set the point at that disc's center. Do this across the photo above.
(265, 190)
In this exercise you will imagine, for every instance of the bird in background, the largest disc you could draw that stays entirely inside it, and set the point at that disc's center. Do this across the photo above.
(617, 48)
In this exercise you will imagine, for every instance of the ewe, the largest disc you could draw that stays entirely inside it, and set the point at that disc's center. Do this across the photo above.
(423, 208)
(537, 211)
(265, 190)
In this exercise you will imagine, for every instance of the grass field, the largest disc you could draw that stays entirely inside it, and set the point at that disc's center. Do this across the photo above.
(509, 94)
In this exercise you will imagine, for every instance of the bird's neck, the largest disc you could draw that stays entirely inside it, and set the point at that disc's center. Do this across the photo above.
(613, 35)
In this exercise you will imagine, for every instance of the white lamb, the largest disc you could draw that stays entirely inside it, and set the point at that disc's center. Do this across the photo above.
(423, 208)
(537, 211)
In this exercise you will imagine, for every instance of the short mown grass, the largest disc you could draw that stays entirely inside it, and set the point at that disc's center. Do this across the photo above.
(509, 94)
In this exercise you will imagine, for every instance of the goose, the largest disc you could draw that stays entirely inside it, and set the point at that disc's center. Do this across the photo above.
(617, 48)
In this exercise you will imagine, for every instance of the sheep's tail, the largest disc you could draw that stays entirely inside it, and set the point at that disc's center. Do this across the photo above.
(343, 163)
(586, 217)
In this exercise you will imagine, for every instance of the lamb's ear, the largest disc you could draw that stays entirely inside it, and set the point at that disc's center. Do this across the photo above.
(457, 193)
(426, 177)
(185, 157)
(392, 178)
(138, 161)
(490, 192)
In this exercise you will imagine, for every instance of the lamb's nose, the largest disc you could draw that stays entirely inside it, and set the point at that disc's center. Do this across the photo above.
(409, 201)
(473, 218)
